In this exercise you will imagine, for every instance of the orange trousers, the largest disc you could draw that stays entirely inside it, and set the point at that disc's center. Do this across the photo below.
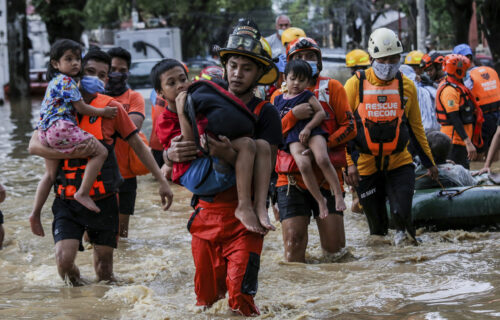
(226, 256)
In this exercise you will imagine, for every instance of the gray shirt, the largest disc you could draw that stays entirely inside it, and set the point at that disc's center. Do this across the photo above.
(276, 45)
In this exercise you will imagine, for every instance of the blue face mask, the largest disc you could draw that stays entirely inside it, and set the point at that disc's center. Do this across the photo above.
(92, 85)
(314, 67)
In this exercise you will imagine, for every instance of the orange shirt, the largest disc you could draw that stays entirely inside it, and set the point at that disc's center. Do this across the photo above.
(133, 103)
(347, 130)
(121, 125)
(451, 100)
(156, 110)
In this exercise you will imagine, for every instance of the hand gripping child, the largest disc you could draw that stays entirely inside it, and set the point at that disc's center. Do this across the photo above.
(307, 134)
(58, 128)
(171, 83)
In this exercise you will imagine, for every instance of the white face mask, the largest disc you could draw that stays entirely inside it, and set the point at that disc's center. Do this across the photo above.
(280, 31)
(384, 71)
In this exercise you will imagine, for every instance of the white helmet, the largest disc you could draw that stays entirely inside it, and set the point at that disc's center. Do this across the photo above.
(384, 42)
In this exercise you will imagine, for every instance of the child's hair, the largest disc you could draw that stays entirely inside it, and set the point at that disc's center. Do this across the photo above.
(119, 52)
(162, 67)
(57, 51)
(98, 55)
(440, 145)
(299, 68)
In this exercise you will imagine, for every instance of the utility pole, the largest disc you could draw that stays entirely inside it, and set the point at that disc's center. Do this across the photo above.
(421, 25)
(17, 35)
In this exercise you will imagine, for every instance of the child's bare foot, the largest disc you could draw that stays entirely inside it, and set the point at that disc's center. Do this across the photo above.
(86, 201)
(249, 219)
(323, 209)
(264, 218)
(36, 225)
(339, 203)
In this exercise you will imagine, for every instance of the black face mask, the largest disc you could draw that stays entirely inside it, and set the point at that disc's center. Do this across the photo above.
(117, 83)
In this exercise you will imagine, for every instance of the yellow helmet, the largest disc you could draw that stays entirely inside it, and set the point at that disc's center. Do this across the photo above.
(414, 58)
(291, 34)
(357, 58)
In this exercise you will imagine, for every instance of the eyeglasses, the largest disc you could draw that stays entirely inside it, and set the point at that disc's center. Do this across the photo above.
(245, 43)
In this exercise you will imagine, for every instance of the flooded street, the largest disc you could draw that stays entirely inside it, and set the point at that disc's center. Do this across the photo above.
(452, 275)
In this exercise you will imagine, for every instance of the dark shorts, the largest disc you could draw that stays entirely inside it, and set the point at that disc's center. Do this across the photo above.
(158, 155)
(127, 195)
(297, 202)
(1, 217)
(71, 220)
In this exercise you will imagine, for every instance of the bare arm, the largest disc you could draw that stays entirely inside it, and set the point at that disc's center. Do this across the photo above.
(83, 108)
(137, 120)
(319, 114)
(147, 159)
(186, 128)
(82, 151)
(492, 151)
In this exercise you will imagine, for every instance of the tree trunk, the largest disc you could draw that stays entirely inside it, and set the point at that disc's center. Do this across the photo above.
(490, 10)
(461, 13)
(17, 35)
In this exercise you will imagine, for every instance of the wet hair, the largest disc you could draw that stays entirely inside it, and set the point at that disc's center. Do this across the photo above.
(57, 51)
(119, 52)
(440, 145)
(299, 68)
(162, 67)
(97, 55)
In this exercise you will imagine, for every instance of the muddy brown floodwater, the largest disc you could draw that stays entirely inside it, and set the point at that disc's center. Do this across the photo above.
(452, 275)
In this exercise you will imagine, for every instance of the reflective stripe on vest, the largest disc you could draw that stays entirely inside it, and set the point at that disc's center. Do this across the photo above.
(466, 109)
(70, 173)
(486, 89)
(381, 118)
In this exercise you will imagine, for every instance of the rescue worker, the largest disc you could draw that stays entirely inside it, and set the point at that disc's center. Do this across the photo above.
(296, 205)
(432, 64)
(457, 112)
(133, 102)
(387, 116)
(413, 59)
(71, 219)
(357, 59)
(226, 255)
(211, 72)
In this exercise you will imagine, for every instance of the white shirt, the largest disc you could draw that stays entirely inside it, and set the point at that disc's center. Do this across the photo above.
(276, 45)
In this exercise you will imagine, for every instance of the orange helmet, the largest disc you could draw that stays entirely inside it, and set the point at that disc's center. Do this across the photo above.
(211, 72)
(456, 65)
(302, 44)
(429, 58)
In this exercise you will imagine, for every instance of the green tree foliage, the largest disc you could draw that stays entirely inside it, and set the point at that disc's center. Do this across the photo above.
(203, 23)
(63, 18)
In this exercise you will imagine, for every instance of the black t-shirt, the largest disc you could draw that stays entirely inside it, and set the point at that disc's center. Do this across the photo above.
(268, 124)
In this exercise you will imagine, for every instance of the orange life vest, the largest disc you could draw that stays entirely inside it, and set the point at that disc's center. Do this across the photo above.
(486, 89)
(70, 173)
(470, 112)
(285, 164)
(466, 109)
(380, 118)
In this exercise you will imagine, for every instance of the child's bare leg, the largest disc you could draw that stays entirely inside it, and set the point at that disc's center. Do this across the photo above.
(319, 148)
(304, 164)
(92, 169)
(261, 178)
(244, 168)
(42, 193)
